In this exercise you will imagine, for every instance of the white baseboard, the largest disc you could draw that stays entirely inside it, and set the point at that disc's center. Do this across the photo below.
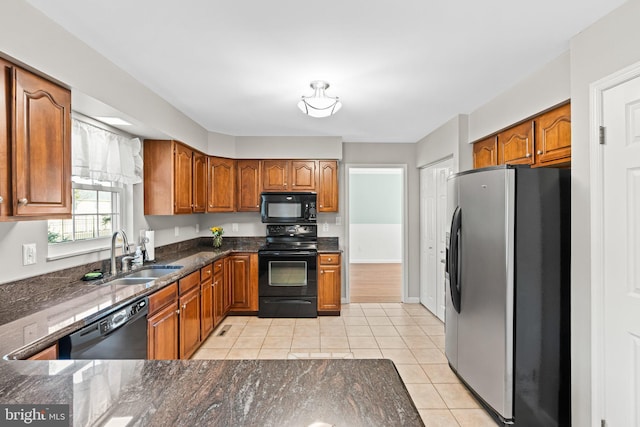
(412, 300)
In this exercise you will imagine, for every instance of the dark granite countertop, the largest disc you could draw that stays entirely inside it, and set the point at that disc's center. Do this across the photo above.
(215, 392)
(36, 312)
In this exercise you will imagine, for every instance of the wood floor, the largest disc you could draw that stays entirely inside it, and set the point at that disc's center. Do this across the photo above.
(375, 282)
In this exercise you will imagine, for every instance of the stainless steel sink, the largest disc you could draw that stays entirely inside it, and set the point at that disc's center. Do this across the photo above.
(130, 281)
(154, 272)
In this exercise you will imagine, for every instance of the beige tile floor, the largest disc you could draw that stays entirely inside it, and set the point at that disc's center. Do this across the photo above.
(408, 334)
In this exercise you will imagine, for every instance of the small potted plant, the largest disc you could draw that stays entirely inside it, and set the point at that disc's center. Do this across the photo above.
(217, 236)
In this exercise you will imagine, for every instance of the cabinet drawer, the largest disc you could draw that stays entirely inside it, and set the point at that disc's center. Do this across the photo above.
(189, 282)
(163, 297)
(218, 266)
(206, 272)
(329, 259)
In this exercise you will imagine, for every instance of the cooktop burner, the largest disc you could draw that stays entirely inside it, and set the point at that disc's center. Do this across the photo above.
(291, 237)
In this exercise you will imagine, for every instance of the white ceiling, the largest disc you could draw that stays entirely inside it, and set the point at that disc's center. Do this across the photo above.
(401, 67)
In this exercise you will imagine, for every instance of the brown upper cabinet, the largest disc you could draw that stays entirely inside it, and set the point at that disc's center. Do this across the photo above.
(553, 136)
(175, 178)
(289, 175)
(35, 146)
(199, 175)
(515, 145)
(328, 186)
(544, 140)
(222, 185)
(249, 185)
(485, 153)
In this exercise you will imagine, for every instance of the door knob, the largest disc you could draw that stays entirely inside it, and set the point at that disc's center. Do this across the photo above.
(528, 155)
(539, 152)
(23, 202)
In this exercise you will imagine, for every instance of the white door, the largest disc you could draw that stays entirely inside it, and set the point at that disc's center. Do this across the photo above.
(621, 249)
(433, 225)
(442, 224)
(428, 238)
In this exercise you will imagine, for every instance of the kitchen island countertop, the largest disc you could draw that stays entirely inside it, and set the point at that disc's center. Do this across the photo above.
(337, 392)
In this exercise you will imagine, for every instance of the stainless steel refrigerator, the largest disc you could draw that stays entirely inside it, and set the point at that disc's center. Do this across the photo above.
(507, 291)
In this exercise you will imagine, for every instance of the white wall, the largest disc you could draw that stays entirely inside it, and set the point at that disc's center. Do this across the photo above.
(547, 86)
(449, 140)
(288, 147)
(367, 247)
(606, 47)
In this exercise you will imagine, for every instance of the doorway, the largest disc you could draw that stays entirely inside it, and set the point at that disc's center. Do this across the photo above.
(376, 233)
(433, 229)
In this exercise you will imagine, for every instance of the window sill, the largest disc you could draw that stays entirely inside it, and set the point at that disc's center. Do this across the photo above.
(73, 249)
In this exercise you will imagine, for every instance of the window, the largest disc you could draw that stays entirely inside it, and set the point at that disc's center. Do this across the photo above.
(97, 207)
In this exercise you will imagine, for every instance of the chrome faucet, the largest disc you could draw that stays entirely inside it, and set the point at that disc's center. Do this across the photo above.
(125, 250)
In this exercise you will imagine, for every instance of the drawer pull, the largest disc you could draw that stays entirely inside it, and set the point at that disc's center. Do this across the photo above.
(23, 202)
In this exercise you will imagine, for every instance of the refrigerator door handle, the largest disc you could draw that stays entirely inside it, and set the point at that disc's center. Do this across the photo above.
(453, 259)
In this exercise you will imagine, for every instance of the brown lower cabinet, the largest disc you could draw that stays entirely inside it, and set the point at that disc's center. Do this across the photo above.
(243, 275)
(206, 302)
(190, 314)
(329, 283)
(162, 324)
(49, 353)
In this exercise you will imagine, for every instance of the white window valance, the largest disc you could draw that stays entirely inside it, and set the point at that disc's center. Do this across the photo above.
(106, 156)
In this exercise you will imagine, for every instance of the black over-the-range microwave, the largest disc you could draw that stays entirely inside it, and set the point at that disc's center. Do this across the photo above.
(292, 208)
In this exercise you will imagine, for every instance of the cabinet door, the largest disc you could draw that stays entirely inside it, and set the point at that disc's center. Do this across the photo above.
(206, 309)
(275, 175)
(6, 79)
(485, 153)
(553, 136)
(189, 323)
(329, 288)
(162, 333)
(222, 185)
(218, 299)
(227, 292)
(328, 186)
(183, 188)
(303, 175)
(42, 168)
(249, 186)
(515, 145)
(199, 177)
(244, 282)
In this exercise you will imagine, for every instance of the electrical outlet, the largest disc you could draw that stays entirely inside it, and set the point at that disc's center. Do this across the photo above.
(197, 228)
(176, 231)
(28, 253)
(234, 226)
(338, 220)
(325, 226)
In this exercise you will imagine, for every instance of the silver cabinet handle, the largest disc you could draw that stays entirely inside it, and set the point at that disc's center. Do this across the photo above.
(23, 202)
(539, 152)
(528, 155)
(443, 261)
(329, 259)
(184, 306)
(1, 199)
(177, 311)
(321, 206)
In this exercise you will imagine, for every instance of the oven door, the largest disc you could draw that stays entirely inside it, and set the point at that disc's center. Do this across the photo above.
(288, 274)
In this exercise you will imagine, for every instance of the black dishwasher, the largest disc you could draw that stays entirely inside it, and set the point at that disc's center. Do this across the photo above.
(119, 334)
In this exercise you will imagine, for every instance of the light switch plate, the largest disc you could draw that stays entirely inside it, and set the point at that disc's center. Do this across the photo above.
(28, 253)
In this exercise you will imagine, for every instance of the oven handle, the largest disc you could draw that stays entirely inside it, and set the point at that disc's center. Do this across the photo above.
(288, 253)
(286, 301)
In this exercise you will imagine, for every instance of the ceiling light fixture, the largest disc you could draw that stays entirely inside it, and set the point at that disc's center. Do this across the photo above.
(319, 104)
